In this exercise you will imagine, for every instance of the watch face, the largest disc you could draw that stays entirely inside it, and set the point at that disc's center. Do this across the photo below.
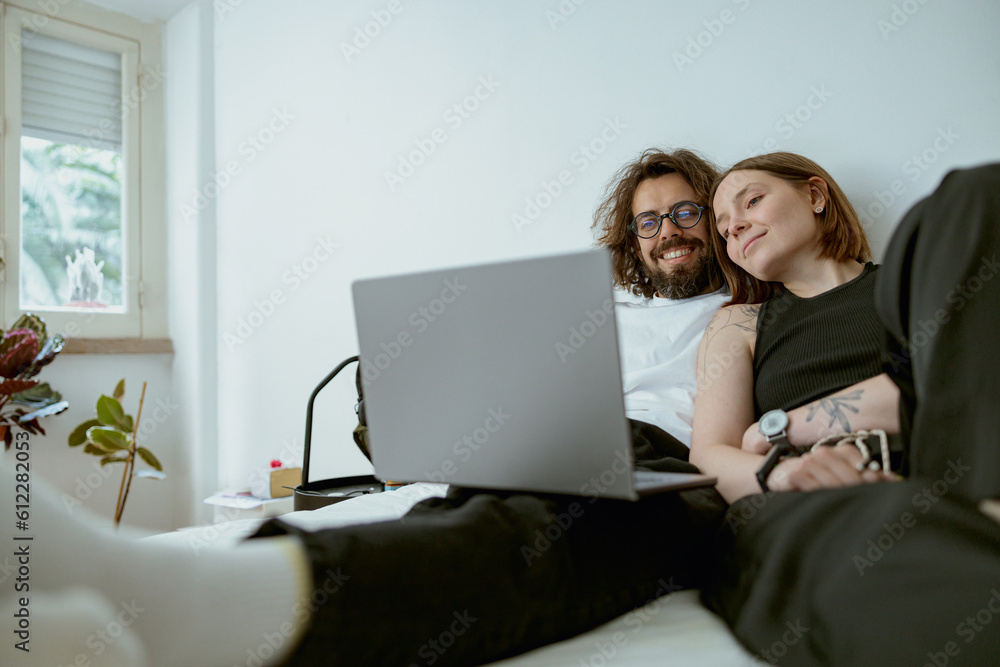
(773, 422)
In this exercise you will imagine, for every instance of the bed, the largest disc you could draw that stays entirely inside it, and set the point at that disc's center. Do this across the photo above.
(676, 629)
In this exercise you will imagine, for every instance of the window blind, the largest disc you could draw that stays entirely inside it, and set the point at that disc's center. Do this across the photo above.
(70, 93)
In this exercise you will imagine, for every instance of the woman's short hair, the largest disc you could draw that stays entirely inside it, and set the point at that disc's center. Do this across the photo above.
(842, 237)
(614, 213)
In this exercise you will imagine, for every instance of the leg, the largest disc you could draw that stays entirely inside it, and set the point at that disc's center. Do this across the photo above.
(478, 576)
(907, 572)
(938, 295)
(170, 602)
(881, 574)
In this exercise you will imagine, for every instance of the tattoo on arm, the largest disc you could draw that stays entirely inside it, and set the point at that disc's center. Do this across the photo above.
(836, 407)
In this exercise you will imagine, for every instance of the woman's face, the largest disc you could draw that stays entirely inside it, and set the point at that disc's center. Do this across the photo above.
(766, 222)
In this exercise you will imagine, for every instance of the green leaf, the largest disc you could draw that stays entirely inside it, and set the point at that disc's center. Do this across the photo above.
(91, 448)
(79, 434)
(39, 396)
(148, 457)
(112, 459)
(109, 438)
(151, 474)
(119, 390)
(128, 427)
(109, 411)
(33, 322)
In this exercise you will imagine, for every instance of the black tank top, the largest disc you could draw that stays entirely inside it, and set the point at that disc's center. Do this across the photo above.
(807, 348)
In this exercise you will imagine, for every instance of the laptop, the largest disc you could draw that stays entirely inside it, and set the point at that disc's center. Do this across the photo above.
(501, 376)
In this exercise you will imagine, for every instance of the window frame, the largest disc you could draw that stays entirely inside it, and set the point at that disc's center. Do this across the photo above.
(143, 210)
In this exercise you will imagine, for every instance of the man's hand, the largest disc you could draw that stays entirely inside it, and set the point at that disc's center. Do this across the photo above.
(754, 441)
(825, 468)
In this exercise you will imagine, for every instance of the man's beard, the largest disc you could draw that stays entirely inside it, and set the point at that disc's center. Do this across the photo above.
(685, 281)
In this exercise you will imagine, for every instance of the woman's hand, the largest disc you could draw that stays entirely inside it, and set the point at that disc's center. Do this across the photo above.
(824, 468)
(754, 441)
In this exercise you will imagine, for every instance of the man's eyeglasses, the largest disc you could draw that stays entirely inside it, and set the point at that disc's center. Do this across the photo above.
(685, 215)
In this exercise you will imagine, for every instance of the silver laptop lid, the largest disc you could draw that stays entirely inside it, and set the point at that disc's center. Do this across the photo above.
(502, 375)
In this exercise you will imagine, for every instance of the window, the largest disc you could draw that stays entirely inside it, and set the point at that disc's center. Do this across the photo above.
(83, 244)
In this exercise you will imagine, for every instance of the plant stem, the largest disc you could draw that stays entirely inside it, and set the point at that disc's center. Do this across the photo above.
(130, 461)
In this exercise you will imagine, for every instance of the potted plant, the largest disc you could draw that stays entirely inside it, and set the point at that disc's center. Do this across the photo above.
(25, 349)
(113, 436)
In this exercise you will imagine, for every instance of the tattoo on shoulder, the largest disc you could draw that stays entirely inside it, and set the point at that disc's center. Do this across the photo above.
(742, 317)
(836, 407)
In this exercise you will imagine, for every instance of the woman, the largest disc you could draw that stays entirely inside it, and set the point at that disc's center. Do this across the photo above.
(828, 577)
(786, 230)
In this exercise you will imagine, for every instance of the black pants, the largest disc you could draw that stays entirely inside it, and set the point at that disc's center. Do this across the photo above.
(477, 575)
(906, 573)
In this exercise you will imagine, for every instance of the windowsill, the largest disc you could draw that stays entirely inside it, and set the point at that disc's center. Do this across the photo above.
(118, 346)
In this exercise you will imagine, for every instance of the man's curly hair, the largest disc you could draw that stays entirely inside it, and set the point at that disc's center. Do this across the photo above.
(614, 213)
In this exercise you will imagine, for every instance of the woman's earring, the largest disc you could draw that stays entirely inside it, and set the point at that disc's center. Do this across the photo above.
(819, 209)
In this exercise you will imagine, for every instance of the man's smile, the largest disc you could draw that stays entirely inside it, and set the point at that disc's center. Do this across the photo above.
(676, 255)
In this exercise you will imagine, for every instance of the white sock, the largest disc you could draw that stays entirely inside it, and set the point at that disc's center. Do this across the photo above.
(207, 607)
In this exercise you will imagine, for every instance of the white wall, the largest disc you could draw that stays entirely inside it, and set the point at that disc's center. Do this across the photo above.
(889, 84)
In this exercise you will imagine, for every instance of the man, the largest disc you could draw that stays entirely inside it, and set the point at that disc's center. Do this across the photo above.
(670, 283)
(477, 575)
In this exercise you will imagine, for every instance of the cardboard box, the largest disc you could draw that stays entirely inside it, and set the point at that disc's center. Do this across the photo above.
(285, 477)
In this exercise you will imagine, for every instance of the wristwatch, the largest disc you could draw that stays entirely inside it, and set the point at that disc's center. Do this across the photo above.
(772, 426)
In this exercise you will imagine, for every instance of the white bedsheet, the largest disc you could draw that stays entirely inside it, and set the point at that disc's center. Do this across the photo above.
(676, 629)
